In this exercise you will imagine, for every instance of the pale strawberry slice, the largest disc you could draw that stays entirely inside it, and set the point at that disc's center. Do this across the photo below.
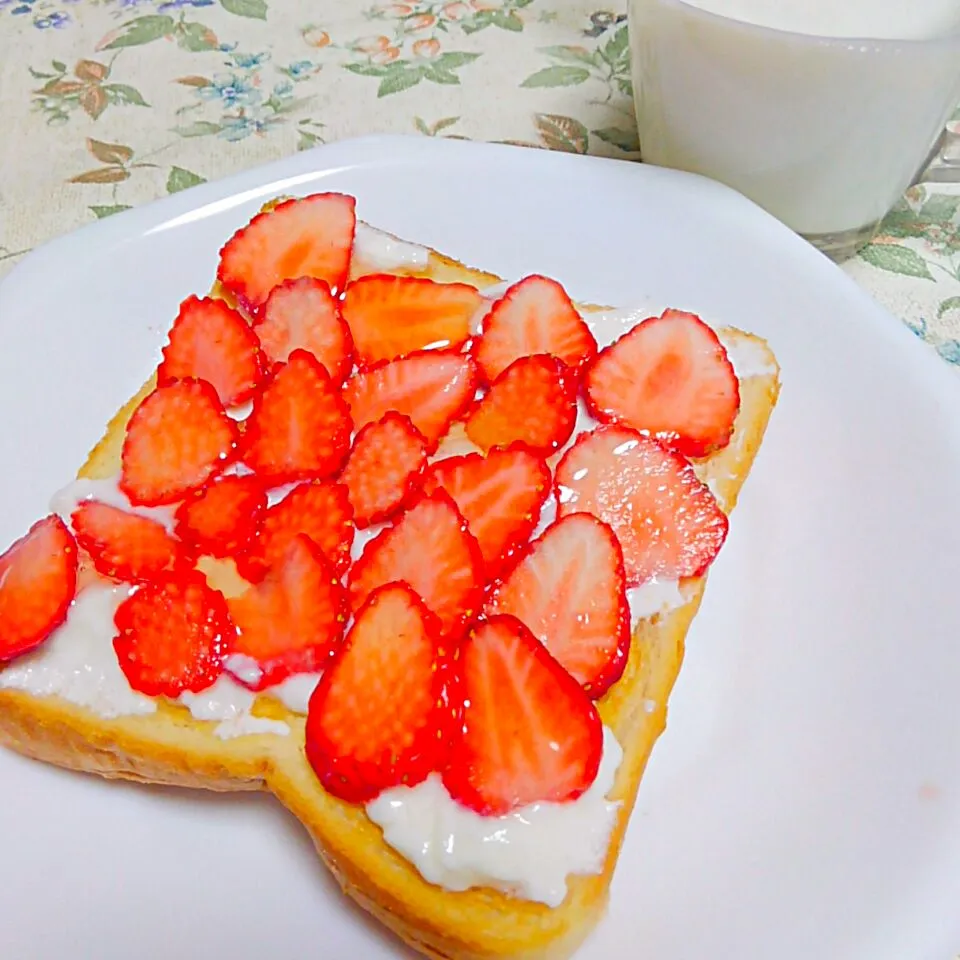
(569, 590)
(499, 495)
(173, 635)
(38, 580)
(529, 733)
(433, 388)
(429, 548)
(293, 620)
(299, 427)
(668, 523)
(669, 377)
(385, 711)
(210, 341)
(177, 439)
(123, 545)
(533, 316)
(534, 402)
(306, 237)
(222, 517)
(303, 314)
(390, 317)
(320, 511)
(384, 467)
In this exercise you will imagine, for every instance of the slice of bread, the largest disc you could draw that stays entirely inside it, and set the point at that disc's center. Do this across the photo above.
(171, 747)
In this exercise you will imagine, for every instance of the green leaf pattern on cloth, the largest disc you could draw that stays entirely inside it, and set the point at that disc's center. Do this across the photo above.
(118, 102)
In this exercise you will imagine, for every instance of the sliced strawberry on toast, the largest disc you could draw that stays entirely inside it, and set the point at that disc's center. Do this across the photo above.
(299, 427)
(429, 548)
(293, 620)
(38, 581)
(318, 509)
(211, 341)
(668, 523)
(222, 517)
(390, 317)
(499, 495)
(529, 733)
(173, 635)
(385, 712)
(303, 314)
(534, 316)
(384, 467)
(669, 377)
(124, 545)
(569, 590)
(433, 388)
(533, 401)
(177, 439)
(306, 237)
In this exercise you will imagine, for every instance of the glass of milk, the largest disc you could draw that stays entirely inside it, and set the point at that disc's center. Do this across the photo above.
(821, 111)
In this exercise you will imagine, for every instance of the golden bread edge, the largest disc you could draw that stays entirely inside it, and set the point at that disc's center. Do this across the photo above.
(170, 747)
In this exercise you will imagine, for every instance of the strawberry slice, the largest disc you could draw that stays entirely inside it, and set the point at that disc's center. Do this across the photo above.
(669, 378)
(299, 428)
(569, 590)
(529, 734)
(429, 548)
(384, 712)
(390, 317)
(38, 580)
(384, 467)
(303, 314)
(177, 439)
(210, 341)
(125, 546)
(293, 620)
(306, 237)
(533, 316)
(320, 511)
(173, 636)
(432, 388)
(668, 523)
(221, 518)
(534, 402)
(499, 496)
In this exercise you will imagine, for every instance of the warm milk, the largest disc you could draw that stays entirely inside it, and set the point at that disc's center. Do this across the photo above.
(825, 134)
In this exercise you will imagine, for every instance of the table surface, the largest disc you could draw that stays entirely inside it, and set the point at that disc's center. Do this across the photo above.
(108, 104)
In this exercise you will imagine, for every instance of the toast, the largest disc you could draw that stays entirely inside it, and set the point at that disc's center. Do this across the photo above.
(171, 746)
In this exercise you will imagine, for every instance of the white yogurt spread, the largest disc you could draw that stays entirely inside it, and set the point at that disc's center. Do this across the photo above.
(77, 661)
(528, 853)
(230, 703)
(64, 502)
(654, 597)
(295, 692)
(381, 250)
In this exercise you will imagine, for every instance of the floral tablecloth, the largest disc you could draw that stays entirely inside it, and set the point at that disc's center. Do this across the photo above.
(110, 103)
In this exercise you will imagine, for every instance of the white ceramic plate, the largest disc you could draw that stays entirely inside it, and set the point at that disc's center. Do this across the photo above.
(805, 799)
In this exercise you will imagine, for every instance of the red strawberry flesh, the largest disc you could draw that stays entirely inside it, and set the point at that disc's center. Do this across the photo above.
(569, 590)
(177, 439)
(172, 636)
(211, 341)
(668, 523)
(384, 713)
(307, 237)
(529, 733)
(38, 580)
(390, 316)
(303, 314)
(220, 518)
(429, 548)
(669, 377)
(534, 316)
(293, 620)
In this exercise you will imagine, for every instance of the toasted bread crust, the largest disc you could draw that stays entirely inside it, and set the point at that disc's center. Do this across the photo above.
(170, 747)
